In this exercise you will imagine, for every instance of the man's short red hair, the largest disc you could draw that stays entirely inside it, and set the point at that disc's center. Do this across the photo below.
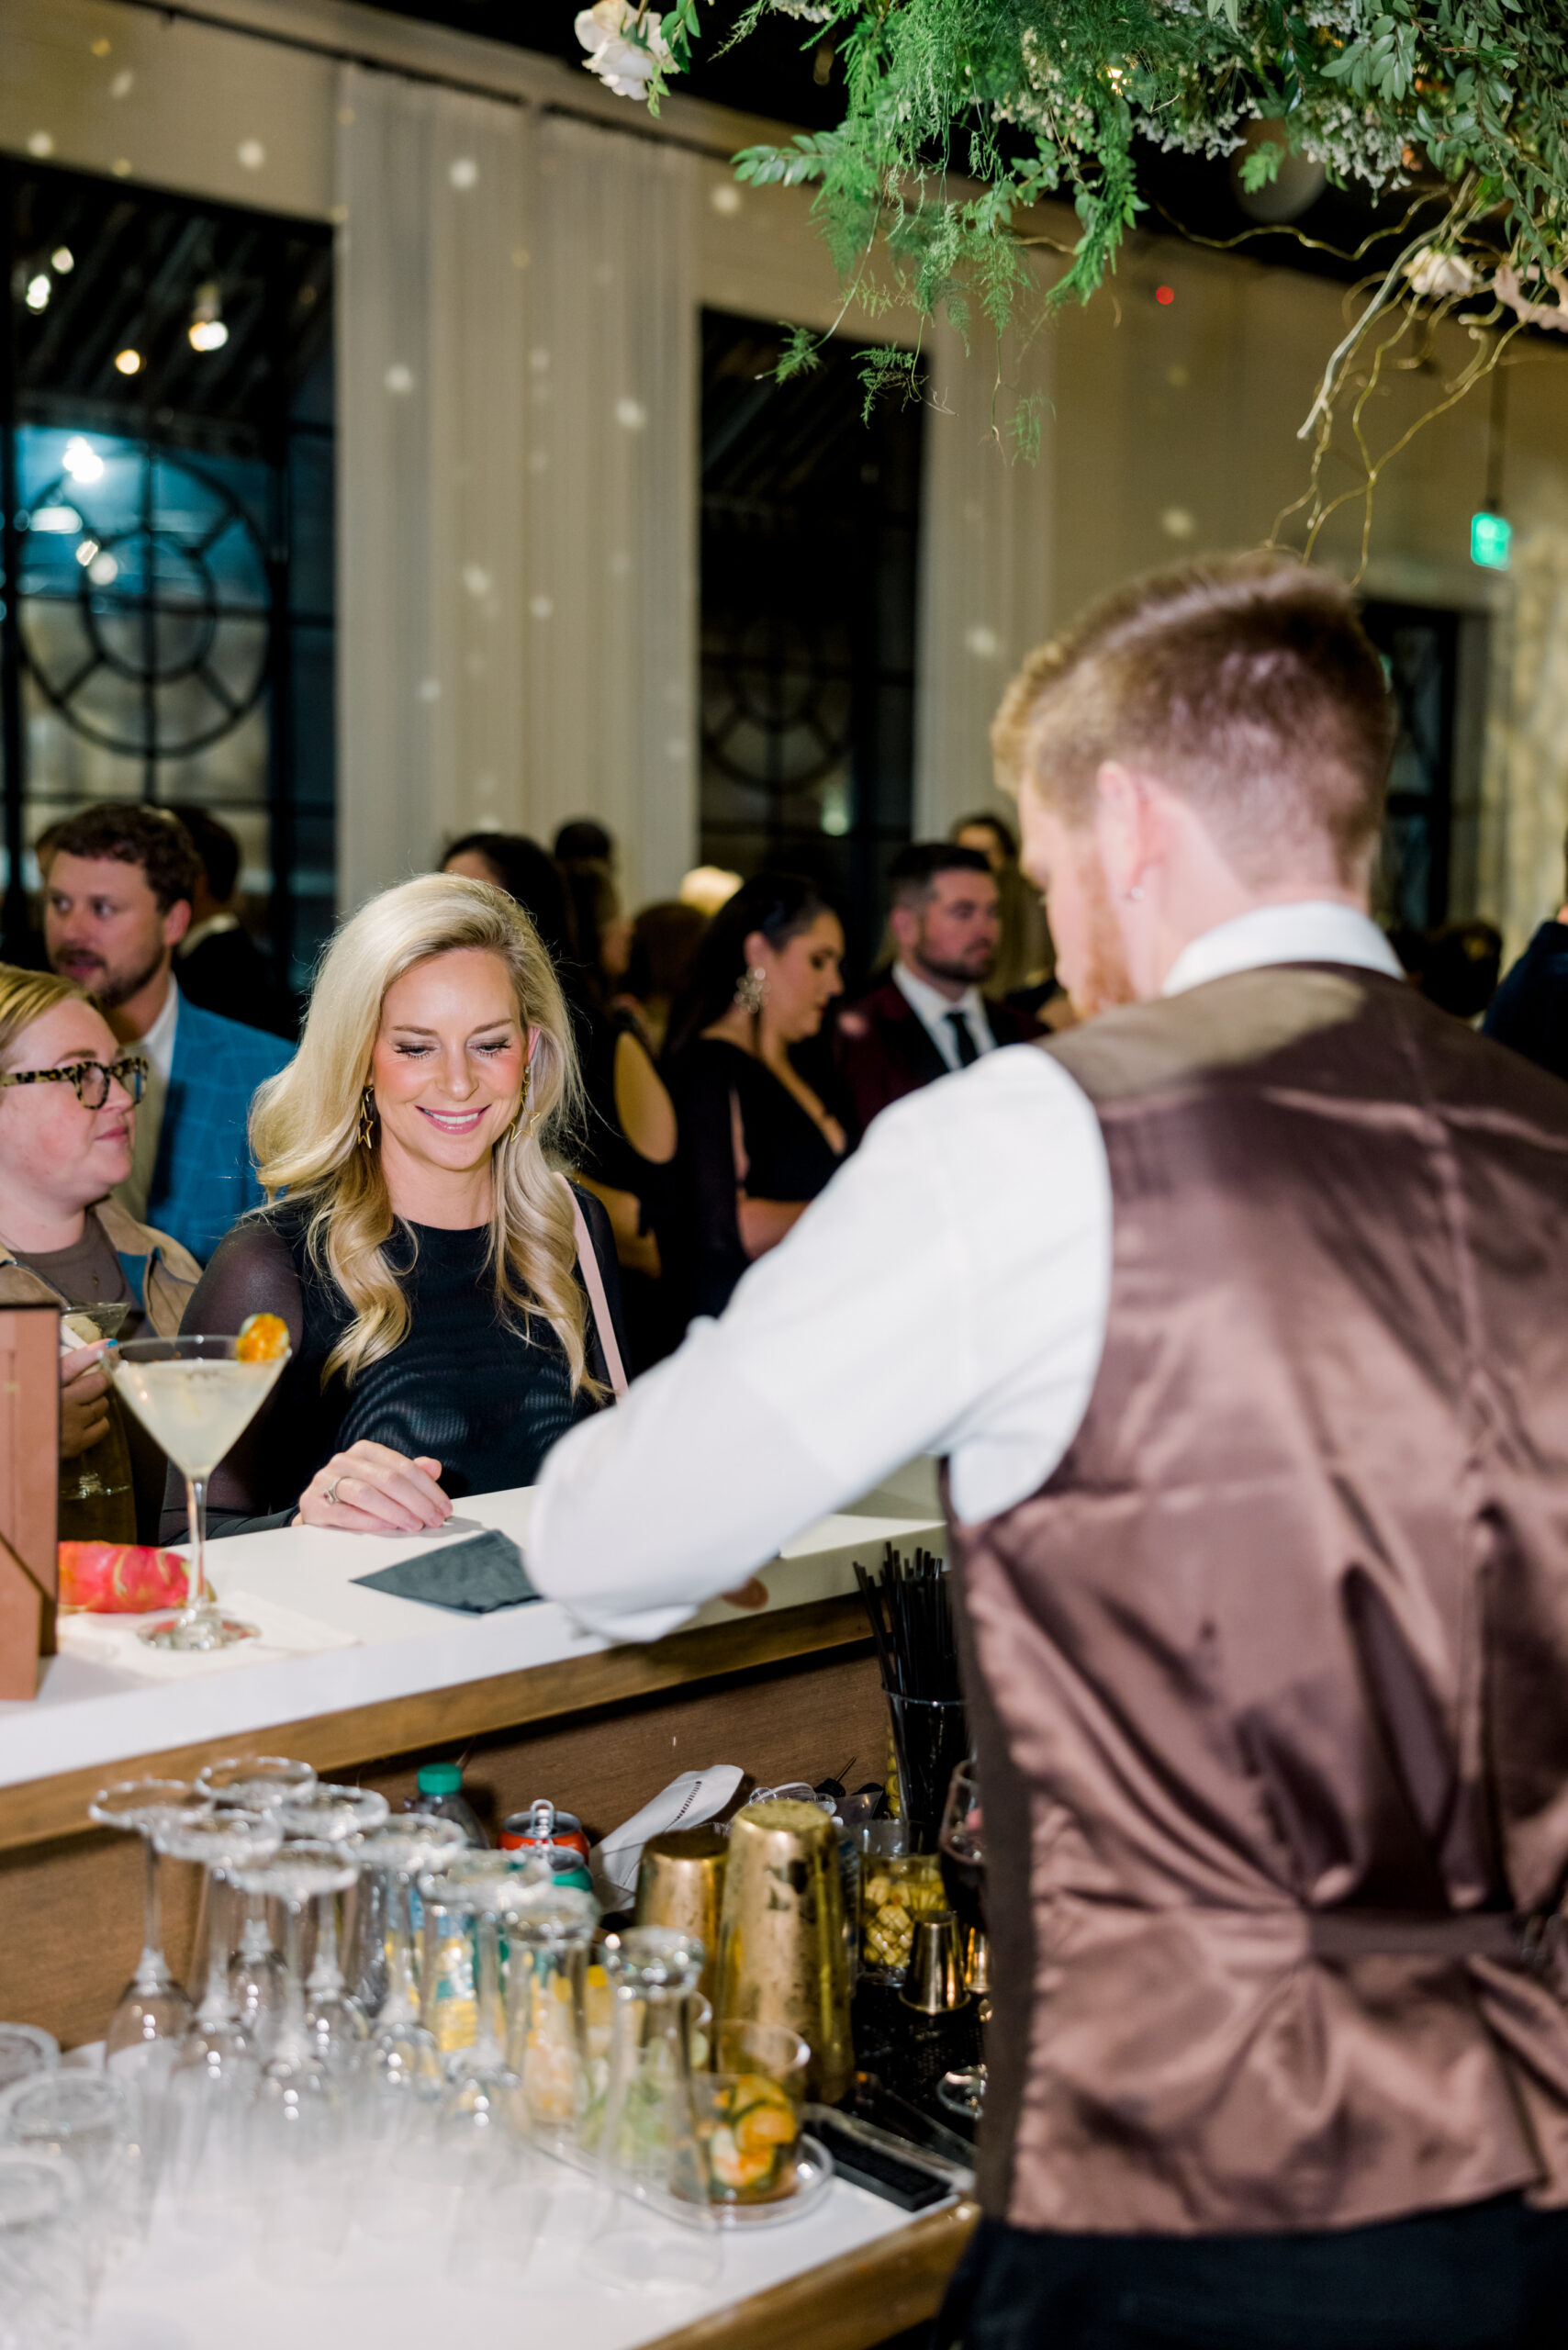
(1246, 683)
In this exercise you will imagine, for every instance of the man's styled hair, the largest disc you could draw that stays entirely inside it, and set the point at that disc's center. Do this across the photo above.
(916, 866)
(1247, 683)
(131, 833)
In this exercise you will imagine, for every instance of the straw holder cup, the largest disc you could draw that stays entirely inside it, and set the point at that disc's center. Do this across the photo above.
(931, 1738)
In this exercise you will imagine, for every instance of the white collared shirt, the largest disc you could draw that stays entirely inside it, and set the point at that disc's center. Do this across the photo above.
(158, 1044)
(935, 1012)
(948, 1293)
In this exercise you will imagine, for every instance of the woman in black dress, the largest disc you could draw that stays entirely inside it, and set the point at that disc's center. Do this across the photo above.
(757, 1142)
(447, 1294)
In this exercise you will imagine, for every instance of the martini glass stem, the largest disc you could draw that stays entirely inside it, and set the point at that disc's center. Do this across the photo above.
(216, 2005)
(152, 1968)
(196, 1520)
(401, 2006)
(291, 2039)
(487, 2029)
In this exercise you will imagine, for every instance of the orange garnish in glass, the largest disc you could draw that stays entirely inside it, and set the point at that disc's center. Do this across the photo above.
(262, 1339)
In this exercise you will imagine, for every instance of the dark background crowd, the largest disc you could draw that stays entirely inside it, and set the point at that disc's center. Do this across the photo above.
(728, 1067)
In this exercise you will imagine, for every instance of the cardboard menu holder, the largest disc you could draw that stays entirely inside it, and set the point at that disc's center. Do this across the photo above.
(29, 1491)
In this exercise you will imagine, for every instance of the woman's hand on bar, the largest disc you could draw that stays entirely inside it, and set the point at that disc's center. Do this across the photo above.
(83, 1384)
(369, 1489)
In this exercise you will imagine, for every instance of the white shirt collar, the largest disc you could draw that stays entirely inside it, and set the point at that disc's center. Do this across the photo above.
(1313, 930)
(929, 1004)
(158, 1044)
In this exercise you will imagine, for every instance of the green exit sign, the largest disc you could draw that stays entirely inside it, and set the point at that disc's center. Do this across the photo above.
(1491, 539)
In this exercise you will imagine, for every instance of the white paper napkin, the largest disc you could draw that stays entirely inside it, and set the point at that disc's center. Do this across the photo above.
(687, 1802)
(281, 1632)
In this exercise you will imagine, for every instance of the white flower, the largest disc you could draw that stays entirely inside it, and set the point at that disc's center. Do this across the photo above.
(1434, 275)
(625, 45)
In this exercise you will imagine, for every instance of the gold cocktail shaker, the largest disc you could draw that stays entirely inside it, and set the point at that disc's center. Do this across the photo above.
(782, 1956)
(680, 1885)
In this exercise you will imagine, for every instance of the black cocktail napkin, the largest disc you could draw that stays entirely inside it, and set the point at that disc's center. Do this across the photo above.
(474, 1576)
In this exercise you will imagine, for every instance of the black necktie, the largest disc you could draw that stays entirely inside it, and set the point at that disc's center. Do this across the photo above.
(963, 1037)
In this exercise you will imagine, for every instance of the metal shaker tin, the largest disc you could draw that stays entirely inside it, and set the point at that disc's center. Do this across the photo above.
(781, 1944)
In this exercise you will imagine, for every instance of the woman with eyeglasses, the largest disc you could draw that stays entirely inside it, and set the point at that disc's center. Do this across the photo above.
(68, 1098)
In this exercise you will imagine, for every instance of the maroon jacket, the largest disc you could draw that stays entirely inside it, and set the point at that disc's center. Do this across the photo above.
(885, 1049)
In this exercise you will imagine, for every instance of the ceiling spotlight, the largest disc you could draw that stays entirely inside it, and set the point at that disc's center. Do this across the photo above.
(129, 362)
(206, 329)
(82, 461)
(40, 288)
(63, 260)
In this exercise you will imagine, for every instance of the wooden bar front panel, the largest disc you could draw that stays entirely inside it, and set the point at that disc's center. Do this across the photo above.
(71, 1907)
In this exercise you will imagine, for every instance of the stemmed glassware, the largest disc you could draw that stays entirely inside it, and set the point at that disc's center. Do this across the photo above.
(215, 2070)
(256, 1783)
(153, 2013)
(331, 1815)
(300, 2117)
(547, 1959)
(481, 2132)
(400, 2073)
(961, 1851)
(195, 1397)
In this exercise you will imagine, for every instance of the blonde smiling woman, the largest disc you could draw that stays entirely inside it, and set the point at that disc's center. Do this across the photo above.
(441, 1281)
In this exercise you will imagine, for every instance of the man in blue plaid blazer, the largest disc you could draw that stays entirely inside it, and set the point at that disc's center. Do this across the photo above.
(118, 883)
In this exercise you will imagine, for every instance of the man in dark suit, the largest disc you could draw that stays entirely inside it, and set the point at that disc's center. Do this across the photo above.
(218, 963)
(1530, 1011)
(928, 1016)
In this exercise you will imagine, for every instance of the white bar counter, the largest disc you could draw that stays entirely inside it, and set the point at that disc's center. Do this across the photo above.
(93, 1714)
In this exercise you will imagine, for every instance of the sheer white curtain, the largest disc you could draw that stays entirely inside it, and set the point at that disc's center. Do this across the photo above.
(518, 421)
(985, 583)
(432, 266)
(613, 426)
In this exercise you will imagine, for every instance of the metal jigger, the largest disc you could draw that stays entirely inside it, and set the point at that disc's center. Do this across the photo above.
(936, 1980)
(975, 1953)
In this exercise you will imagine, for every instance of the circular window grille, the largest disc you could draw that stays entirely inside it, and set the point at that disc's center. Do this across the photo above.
(146, 612)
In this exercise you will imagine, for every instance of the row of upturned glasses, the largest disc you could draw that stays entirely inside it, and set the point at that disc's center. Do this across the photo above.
(425, 2085)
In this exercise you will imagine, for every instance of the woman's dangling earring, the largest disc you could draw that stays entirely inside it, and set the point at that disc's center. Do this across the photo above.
(367, 1119)
(751, 991)
(517, 1114)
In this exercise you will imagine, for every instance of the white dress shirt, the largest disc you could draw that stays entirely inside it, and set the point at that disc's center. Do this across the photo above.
(947, 1294)
(159, 1047)
(935, 1012)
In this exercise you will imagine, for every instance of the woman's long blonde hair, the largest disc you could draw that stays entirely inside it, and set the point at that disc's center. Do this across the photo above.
(304, 1124)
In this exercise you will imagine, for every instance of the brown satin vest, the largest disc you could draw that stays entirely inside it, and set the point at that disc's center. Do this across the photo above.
(1287, 1633)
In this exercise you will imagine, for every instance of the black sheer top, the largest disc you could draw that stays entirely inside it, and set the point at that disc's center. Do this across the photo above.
(717, 1087)
(484, 1401)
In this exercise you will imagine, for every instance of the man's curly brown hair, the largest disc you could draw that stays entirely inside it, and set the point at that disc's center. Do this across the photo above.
(131, 833)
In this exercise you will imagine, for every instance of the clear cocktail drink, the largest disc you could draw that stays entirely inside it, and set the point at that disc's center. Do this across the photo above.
(195, 1397)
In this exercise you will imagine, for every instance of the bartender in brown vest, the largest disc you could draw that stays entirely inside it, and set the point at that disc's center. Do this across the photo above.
(1240, 1319)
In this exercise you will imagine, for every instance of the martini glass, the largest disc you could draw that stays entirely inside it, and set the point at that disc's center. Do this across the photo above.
(331, 1815)
(215, 2070)
(400, 2074)
(257, 1784)
(195, 1397)
(300, 2118)
(481, 2130)
(153, 2014)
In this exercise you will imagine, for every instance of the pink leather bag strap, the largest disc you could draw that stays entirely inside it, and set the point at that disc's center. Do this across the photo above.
(588, 1257)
